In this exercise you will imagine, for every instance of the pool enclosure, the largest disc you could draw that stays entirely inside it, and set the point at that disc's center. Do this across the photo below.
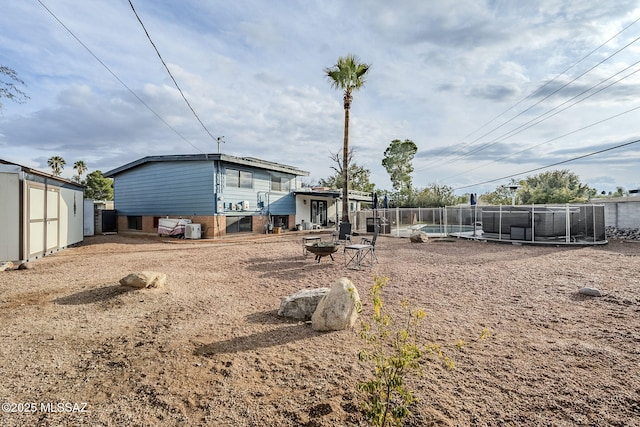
(543, 224)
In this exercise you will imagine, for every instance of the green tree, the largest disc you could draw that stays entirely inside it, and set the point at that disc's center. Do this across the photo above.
(619, 192)
(397, 161)
(97, 187)
(561, 186)
(359, 176)
(503, 194)
(56, 163)
(80, 168)
(348, 75)
(8, 86)
(435, 196)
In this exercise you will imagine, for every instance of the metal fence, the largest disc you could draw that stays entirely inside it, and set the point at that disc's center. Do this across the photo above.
(561, 224)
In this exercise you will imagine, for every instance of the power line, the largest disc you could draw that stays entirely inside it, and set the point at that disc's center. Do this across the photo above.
(541, 118)
(530, 96)
(551, 165)
(486, 145)
(547, 141)
(118, 78)
(169, 72)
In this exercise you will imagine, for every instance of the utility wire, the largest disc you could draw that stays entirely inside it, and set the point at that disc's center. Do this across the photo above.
(539, 90)
(169, 72)
(551, 165)
(546, 142)
(541, 118)
(118, 78)
(556, 110)
(486, 145)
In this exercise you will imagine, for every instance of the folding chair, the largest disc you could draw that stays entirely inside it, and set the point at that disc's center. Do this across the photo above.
(362, 254)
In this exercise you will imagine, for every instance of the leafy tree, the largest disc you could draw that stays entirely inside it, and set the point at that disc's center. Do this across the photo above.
(397, 161)
(8, 89)
(619, 192)
(435, 196)
(561, 186)
(503, 194)
(98, 187)
(348, 75)
(359, 176)
(80, 167)
(56, 163)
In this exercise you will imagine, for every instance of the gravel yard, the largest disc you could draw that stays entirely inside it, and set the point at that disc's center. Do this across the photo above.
(209, 348)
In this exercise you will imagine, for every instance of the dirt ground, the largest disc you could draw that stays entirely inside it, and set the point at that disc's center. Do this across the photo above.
(209, 348)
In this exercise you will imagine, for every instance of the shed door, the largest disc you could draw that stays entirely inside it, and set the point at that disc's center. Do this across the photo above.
(53, 219)
(43, 207)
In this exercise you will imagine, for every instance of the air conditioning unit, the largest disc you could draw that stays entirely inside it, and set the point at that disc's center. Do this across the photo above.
(192, 231)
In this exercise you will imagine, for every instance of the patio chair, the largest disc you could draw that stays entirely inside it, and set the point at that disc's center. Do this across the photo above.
(344, 233)
(362, 254)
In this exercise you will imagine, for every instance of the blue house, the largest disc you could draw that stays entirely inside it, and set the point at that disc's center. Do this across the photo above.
(223, 193)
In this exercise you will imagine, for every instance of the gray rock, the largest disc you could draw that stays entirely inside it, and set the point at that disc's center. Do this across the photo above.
(145, 279)
(339, 309)
(592, 292)
(622, 233)
(302, 304)
(419, 237)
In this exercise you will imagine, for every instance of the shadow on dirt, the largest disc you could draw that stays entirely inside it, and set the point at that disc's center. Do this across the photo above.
(270, 338)
(270, 318)
(92, 296)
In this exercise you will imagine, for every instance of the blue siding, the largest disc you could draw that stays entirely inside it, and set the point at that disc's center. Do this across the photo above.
(280, 203)
(186, 188)
(166, 188)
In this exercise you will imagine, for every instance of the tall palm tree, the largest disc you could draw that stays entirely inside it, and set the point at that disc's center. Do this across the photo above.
(348, 75)
(81, 167)
(56, 163)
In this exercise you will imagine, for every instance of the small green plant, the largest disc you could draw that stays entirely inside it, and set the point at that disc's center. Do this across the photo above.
(395, 354)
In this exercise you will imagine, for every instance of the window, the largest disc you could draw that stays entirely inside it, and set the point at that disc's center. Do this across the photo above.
(134, 222)
(238, 224)
(280, 183)
(239, 179)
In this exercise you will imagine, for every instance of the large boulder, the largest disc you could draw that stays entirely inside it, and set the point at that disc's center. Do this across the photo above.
(419, 237)
(302, 304)
(144, 279)
(339, 309)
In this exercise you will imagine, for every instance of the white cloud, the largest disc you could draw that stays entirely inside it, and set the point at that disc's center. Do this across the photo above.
(444, 74)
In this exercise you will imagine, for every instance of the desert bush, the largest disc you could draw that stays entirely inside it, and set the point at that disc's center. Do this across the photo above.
(394, 353)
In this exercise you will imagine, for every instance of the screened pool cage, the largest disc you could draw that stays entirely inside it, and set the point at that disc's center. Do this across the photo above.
(540, 224)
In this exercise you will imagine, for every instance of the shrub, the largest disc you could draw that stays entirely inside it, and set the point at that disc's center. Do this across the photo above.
(394, 353)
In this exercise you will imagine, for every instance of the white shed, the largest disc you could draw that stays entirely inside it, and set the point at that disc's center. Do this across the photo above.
(39, 213)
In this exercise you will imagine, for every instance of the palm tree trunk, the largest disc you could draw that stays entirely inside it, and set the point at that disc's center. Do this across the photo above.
(345, 165)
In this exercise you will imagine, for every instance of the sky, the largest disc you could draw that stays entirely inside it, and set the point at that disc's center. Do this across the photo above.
(489, 91)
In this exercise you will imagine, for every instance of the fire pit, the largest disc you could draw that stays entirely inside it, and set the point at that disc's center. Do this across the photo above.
(322, 249)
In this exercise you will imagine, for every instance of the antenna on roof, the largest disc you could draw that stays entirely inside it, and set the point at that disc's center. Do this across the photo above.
(219, 140)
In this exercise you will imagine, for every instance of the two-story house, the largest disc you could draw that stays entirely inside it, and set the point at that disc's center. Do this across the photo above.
(226, 194)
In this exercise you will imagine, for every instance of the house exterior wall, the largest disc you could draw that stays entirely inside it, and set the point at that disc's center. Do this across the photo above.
(197, 190)
(260, 197)
(166, 189)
